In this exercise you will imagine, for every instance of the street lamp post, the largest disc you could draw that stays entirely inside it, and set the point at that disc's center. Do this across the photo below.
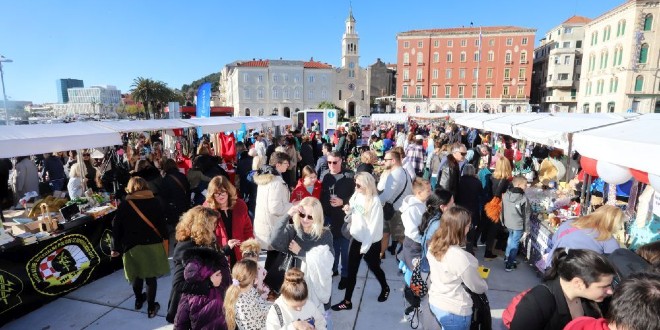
(4, 94)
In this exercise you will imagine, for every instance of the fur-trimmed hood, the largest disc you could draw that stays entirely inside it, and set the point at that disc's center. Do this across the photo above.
(265, 175)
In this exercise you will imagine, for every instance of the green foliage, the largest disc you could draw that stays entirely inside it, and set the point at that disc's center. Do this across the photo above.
(153, 94)
(189, 91)
(327, 105)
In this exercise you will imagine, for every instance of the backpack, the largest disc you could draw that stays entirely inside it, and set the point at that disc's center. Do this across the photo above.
(510, 311)
(433, 225)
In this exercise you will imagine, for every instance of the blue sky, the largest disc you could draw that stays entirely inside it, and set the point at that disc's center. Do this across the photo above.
(113, 42)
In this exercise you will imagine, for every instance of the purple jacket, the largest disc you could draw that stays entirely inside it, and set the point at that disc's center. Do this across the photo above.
(200, 306)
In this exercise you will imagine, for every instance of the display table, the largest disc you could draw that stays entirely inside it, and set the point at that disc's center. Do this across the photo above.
(35, 274)
(538, 241)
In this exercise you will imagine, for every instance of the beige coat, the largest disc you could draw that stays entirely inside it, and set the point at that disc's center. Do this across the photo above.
(271, 207)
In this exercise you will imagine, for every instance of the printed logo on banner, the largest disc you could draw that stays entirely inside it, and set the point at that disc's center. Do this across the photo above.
(10, 289)
(63, 265)
(105, 243)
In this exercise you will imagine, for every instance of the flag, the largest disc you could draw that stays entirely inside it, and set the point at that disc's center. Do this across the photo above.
(203, 103)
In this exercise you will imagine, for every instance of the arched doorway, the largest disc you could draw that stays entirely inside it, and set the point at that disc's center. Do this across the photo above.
(247, 112)
(459, 107)
(351, 109)
(486, 107)
(473, 107)
(275, 112)
(287, 112)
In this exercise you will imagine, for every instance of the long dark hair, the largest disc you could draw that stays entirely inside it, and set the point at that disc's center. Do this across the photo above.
(587, 265)
(433, 203)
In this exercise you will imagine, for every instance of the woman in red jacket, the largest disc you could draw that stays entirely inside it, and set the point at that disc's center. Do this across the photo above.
(234, 224)
(308, 185)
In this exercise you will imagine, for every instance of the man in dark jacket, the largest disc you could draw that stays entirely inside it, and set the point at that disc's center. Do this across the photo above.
(322, 163)
(469, 196)
(174, 193)
(337, 188)
(306, 153)
(5, 195)
(243, 167)
(53, 170)
(450, 172)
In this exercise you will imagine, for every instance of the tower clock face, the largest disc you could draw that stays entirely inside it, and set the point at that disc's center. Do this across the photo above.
(351, 86)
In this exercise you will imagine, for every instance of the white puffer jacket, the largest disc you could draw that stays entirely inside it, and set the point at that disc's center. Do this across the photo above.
(271, 206)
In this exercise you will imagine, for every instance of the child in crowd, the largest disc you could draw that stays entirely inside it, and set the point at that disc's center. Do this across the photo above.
(308, 185)
(250, 249)
(244, 308)
(516, 211)
(412, 209)
(203, 307)
(292, 310)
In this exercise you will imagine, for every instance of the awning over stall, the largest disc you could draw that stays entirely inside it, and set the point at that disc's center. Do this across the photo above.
(504, 124)
(279, 120)
(214, 124)
(254, 122)
(144, 125)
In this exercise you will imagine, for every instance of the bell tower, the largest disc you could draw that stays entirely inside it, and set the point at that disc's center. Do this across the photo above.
(350, 50)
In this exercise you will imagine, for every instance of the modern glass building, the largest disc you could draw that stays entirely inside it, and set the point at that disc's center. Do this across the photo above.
(62, 88)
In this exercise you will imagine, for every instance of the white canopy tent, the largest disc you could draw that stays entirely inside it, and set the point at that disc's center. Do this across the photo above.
(399, 118)
(23, 140)
(214, 124)
(504, 124)
(254, 122)
(633, 144)
(145, 125)
(556, 130)
(476, 120)
(279, 120)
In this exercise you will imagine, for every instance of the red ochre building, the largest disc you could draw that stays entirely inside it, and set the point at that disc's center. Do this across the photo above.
(442, 70)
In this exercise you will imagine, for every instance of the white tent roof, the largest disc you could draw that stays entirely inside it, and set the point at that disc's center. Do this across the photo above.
(279, 120)
(214, 124)
(23, 140)
(554, 130)
(400, 118)
(504, 124)
(634, 143)
(145, 125)
(476, 120)
(254, 122)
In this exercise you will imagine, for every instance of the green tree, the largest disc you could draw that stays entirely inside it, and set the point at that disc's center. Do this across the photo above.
(341, 113)
(153, 94)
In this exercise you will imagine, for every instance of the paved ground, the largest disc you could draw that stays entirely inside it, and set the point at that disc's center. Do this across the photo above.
(108, 302)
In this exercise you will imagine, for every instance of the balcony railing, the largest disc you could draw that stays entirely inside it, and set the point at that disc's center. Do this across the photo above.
(522, 79)
(406, 63)
(559, 83)
(507, 78)
(513, 97)
(420, 63)
(508, 62)
(524, 62)
(413, 98)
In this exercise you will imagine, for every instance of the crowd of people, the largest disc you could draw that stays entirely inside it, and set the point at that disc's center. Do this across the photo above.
(316, 205)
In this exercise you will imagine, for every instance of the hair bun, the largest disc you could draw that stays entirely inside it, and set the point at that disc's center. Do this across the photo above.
(294, 275)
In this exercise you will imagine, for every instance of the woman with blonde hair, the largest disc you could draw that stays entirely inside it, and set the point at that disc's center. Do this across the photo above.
(244, 308)
(500, 181)
(366, 230)
(367, 160)
(312, 245)
(293, 310)
(451, 268)
(234, 224)
(593, 232)
(139, 232)
(196, 228)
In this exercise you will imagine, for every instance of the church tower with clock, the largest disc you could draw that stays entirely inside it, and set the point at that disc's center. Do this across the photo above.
(352, 81)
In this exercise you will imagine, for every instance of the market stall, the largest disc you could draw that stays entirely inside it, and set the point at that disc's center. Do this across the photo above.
(504, 124)
(398, 118)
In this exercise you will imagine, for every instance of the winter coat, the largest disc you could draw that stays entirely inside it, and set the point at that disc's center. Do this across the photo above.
(175, 194)
(26, 177)
(243, 167)
(365, 167)
(366, 220)
(128, 228)
(344, 187)
(202, 308)
(301, 190)
(412, 210)
(469, 196)
(321, 167)
(241, 228)
(516, 209)
(307, 154)
(449, 176)
(153, 178)
(271, 207)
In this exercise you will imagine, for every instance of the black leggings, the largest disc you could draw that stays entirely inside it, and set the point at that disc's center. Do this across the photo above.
(372, 258)
(152, 286)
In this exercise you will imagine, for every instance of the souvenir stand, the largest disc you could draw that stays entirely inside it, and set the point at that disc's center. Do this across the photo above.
(45, 254)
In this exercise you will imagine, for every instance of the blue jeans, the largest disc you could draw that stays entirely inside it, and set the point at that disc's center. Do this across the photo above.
(340, 245)
(450, 321)
(434, 182)
(512, 246)
(56, 184)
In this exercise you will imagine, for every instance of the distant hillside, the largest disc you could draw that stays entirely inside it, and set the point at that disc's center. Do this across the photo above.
(213, 78)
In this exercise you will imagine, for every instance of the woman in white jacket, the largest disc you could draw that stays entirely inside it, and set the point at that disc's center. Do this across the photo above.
(451, 267)
(366, 228)
(292, 310)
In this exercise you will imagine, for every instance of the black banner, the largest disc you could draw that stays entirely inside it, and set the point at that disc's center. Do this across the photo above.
(35, 274)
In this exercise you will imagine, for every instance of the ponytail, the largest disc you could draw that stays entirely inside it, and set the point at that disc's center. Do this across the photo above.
(587, 265)
(439, 198)
(243, 275)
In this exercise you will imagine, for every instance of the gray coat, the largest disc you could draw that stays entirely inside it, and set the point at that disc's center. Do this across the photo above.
(516, 209)
(26, 177)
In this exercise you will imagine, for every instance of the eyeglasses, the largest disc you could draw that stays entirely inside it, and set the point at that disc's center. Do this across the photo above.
(249, 254)
(333, 163)
(219, 193)
(303, 216)
(463, 153)
(358, 186)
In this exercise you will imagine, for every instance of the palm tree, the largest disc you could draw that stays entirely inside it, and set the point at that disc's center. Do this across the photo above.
(153, 94)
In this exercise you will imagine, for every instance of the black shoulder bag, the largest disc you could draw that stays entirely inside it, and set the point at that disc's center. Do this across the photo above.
(388, 208)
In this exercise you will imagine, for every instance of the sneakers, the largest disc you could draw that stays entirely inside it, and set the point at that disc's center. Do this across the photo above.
(509, 268)
(489, 255)
(335, 273)
(384, 294)
(342, 283)
(344, 305)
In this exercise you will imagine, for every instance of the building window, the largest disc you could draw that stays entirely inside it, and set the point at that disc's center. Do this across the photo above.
(448, 74)
(276, 78)
(310, 95)
(610, 107)
(406, 75)
(621, 28)
(578, 44)
(276, 93)
(521, 90)
(246, 77)
(406, 44)
(475, 73)
(296, 79)
(643, 53)
(419, 75)
(568, 30)
(449, 57)
(509, 41)
(562, 76)
(310, 79)
(522, 72)
(505, 90)
(489, 90)
(434, 91)
(639, 83)
(489, 73)
(463, 43)
(296, 94)
(406, 58)
(461, 91)
(418, 91)
(420, 44)
(524, 41)
(286, 93)
(260, 78)
(405, 91)
(420, 58)
(507, 58)
(597, 107)
(436, 43)
(585, 108)
(474, 91)
(616, 84)
(246, 93)
(435, 73)
(461, 73)
(611, 85)
(606, 33)
(567, 59)
(491, 56)
(491, 42)
(648, 22)
(567, 44)
(436, 57)
(523, 57)
(450, 43)
(260, 94)
(589, 88)
(463, 57)
(447, 91)
(476, 56)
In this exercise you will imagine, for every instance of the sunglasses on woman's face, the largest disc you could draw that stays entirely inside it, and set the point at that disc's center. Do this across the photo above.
(249, 254)
(303, 216)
